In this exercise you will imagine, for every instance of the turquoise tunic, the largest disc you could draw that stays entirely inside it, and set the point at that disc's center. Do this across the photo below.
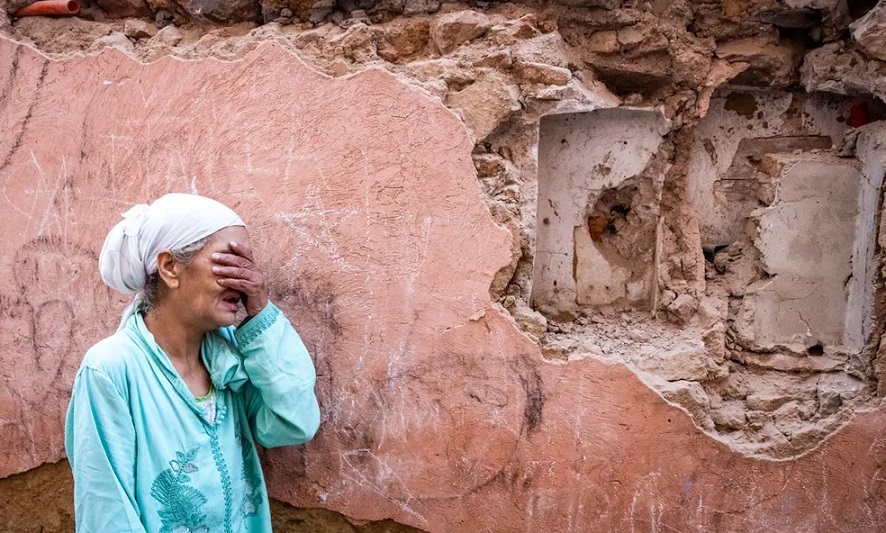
(144, 455)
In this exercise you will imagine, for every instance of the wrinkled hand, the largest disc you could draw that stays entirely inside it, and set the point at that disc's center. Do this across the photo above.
(238, 271)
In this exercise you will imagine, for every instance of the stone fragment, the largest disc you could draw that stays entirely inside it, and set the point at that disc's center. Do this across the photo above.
(771, 63)
(602, 42)
(139, 29)
(605, 4)
(124, 8)
(529, 320)
(168, 36)
(731, 416)
(641, 39)
(499, 59)
(836, 68)
(489, 165)
(513, 31)
(320, 10)
(548, 48)
(115, 40)
(357, 44)
(683, 308)
(685, 360)
(420, 7)
(453, 29)
(691, 396)
(485, 104)
(163, 18)
(870, 32)
(769, 400)
(542, 73)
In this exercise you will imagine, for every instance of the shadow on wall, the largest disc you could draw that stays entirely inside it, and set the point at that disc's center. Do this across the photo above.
(42, 501)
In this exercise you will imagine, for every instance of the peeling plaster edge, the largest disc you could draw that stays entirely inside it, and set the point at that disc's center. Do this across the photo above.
(649, 380)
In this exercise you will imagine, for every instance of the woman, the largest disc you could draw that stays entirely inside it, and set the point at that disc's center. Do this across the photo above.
(165, 413)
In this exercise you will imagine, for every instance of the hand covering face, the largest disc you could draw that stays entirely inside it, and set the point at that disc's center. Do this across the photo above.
(129, 254)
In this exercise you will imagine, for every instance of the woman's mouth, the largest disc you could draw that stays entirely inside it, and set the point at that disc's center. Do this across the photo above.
(232, 299)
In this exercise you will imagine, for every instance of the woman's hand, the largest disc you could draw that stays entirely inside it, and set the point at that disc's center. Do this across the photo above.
(237, 270)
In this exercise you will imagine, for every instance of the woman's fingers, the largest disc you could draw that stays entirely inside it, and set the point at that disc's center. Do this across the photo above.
(242, 250)
(234, 272)
(241, 285)
(232, 260)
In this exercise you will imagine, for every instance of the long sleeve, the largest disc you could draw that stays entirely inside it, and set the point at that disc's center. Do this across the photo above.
(280, 398)
(100, 443)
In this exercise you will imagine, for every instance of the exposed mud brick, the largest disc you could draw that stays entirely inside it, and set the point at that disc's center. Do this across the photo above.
(486, 104)
(401, 43)
(772, 64)
(453, 29)
(685, 362)
(870, 32)
(770, 400)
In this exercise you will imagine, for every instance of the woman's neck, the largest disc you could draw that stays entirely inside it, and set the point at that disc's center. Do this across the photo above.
(179, 339)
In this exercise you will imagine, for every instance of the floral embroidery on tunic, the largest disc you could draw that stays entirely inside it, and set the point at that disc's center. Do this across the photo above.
(180, 502)
(252, 496)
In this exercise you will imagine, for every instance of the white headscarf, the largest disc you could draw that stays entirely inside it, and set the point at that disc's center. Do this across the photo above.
(129, 255)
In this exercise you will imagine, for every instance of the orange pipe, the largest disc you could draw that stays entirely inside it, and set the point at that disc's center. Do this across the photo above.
(49, 7)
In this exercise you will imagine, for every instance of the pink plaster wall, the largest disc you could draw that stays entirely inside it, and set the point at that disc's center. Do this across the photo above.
(364, 207)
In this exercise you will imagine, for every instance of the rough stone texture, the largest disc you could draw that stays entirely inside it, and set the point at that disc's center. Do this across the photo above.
(485, 104)
(451, 30)
(870, 32)
(771, 63)
(837, 68)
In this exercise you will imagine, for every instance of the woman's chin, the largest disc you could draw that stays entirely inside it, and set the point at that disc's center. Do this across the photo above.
(226, 317)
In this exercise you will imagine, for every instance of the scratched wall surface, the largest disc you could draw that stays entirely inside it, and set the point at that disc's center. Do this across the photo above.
(364, 207)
